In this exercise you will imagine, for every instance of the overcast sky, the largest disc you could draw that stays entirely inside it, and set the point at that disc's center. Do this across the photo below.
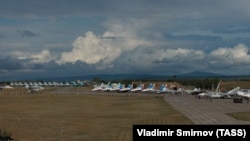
(43, 38)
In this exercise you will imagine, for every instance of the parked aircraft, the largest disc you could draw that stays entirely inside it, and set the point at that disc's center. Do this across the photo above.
(74, 84)
(116, 87)
(179, 90)
(193, 92)
(138, 88)
(231, 93)
(210, 94)
(67, 84)
(150, 88)
(218, 94)
(6, 87)
(242, 94)
(245, 93)
(107, 87)
(126, 89)
(164, 89)
(100, 87)
(228, 94)
(34, 88)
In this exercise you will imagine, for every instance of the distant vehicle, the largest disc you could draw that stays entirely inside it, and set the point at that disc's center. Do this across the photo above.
(238, 100)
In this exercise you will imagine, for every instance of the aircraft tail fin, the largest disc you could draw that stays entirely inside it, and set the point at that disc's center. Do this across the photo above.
(234, 91)
(218, 87)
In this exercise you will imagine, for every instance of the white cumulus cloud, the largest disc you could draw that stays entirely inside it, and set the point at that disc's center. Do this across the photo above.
(42, 57)
(237, 54)
(103, 49)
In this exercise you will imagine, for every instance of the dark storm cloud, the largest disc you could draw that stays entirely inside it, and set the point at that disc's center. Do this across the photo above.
(51, 8)
(231, 30)
(27, 33)
(9, 63)
(168, 32)
(193, 37)
(114, 7)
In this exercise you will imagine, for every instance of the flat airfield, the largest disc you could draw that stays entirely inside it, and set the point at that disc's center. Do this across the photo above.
(76, 114)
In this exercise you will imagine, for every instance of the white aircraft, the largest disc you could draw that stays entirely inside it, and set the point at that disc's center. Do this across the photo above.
(194, 91)
(230, 93)
(218, 94)
(98, 87)
(116, 87)
(179, 90)
(164, 89)
(210, 94)
(242, 94)
(101, 87)
(245, 93)
(138, 88)
(150, 88)
(126, 89)
(107, 87)
(6, 87)
(34, 88)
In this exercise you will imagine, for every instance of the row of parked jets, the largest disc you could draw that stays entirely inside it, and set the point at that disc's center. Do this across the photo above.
(118, 87)
(37, 86)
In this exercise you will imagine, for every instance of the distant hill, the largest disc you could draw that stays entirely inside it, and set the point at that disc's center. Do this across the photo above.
(110, 77)
(201, 74)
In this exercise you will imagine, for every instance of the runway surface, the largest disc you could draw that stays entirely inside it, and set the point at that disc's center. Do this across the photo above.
(206, 111)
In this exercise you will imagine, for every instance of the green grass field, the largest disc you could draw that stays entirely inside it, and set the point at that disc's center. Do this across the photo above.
(245, 116)
(47, 117)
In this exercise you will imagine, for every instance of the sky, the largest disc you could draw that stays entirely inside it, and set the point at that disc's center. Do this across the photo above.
(51, 38)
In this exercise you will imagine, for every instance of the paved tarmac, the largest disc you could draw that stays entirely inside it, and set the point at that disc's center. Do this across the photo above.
(207, 111)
